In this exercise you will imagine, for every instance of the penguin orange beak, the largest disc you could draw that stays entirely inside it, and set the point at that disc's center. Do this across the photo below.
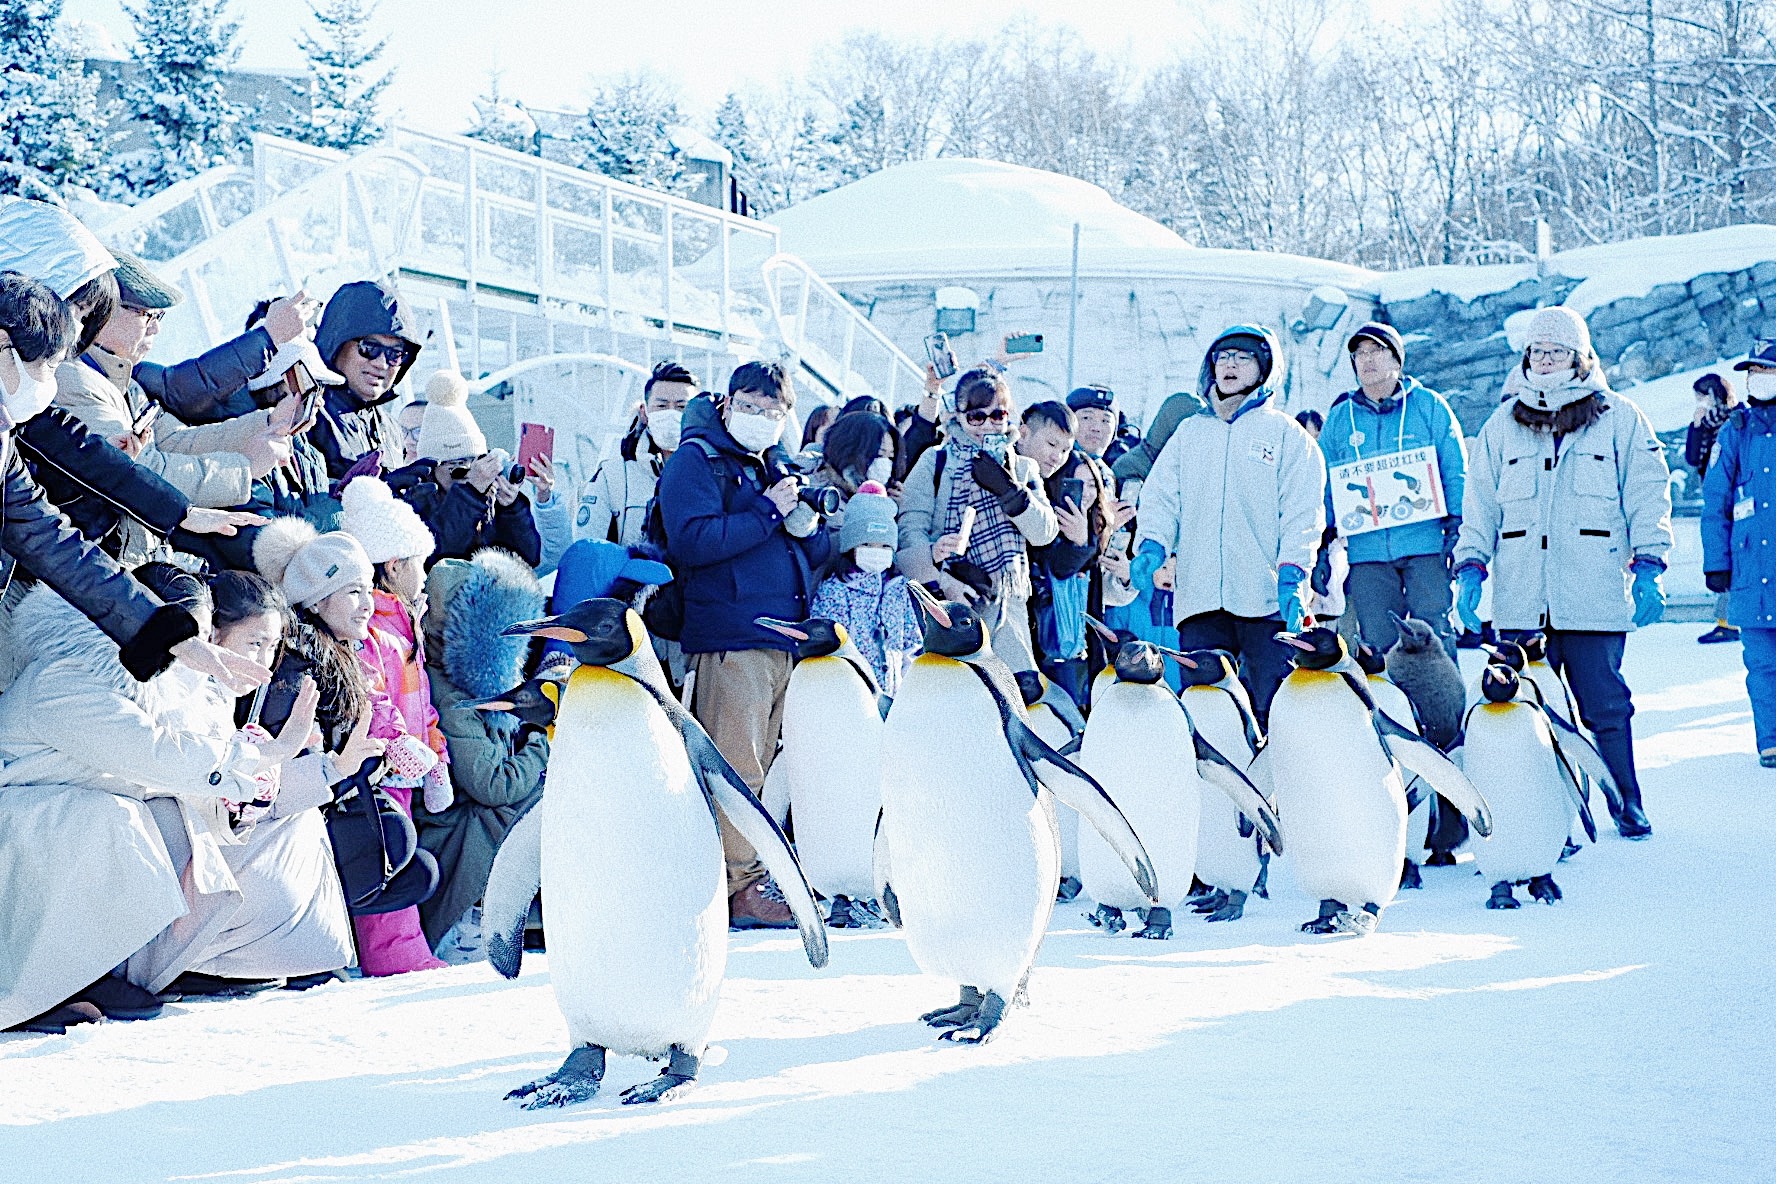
(929, 604)
(792, 631)
(1103, 630)
(494, 703)
(1294, 639)
(1179, 656)
(549, 627)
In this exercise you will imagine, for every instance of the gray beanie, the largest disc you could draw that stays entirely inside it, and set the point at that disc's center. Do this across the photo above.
(869, 519)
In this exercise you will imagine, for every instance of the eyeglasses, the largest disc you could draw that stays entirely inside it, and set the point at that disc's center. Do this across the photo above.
(394, 355)
(976, 418)
(771, 413)
(1558, 354)
(1234, 355)
(1372, 349)
(152, 315)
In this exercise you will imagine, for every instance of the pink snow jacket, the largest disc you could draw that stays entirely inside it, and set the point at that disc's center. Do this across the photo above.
(395, 663)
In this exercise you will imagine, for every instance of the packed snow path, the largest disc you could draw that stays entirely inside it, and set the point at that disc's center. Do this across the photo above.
(1622, 1035)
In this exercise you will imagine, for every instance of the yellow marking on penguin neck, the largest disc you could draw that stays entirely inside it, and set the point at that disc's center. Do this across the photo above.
(638, 634)
(1315, 676)
(935, 660)
(1499, 708)
(585, 677)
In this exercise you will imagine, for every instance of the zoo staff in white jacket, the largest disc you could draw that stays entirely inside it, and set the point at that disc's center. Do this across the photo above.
(1237, 498)
(1568, 510)
(614, 503)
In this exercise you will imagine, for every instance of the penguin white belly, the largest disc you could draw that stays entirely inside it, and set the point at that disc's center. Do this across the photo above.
(976, 860)
(633, 879)
(1223, 858)
(1047, 725)
(1340, 798)
(832, 737)
(1138, 745)
(1553, 689)
(1509, 756)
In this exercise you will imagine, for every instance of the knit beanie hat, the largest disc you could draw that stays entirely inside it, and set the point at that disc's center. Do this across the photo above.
(447, 431)
(386, 527)
(869, 519)
(1559, 325)
(1375, 331)
(307, 566)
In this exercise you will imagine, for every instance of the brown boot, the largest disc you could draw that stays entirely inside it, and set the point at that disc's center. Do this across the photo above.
(759, 905)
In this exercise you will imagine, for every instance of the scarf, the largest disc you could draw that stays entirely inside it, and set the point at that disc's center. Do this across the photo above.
(995, 545)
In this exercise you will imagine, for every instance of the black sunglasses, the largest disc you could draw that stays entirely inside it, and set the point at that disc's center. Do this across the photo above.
(394, 355)
(977, 418)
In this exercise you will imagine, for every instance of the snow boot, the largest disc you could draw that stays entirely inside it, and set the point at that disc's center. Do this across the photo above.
(1721, 632)
(759, 905)
(120, 999)
(57, 1020)
(196, 985)
(1632, 822)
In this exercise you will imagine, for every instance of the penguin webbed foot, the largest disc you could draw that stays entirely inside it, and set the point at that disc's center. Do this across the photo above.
(1569, 850)
(1211, 901)
(1069, 889)
(1441, 859)
(1159, 925)
(1325, 922)
(681, 1070)
(980, 1029)
(1108, 919)
(1233, 910)
(1410, 877)
(1544, 889)
(577, 1080)
(954, 1017)
(1502, 897)
(1357, 923)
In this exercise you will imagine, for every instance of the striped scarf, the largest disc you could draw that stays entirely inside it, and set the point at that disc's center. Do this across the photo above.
(995, 545)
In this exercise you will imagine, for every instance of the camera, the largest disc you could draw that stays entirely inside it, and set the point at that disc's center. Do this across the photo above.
(822, 499)
(779, 463)
(516, 475)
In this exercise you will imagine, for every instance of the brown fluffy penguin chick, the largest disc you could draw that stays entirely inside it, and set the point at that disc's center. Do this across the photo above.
(1419, 665)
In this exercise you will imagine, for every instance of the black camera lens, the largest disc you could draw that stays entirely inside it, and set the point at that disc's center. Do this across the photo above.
(516, 474)
(822, 500)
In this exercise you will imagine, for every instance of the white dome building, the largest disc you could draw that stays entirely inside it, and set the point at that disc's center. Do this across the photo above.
(983, 249)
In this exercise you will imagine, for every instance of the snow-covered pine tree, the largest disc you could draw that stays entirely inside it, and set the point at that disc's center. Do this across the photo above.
(625, 133)
(184, 48)
(345, 108)
(733, 131)
(502, 120)
(50, 122)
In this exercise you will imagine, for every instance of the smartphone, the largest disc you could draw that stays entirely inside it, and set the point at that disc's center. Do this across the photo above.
(535, 441)
(943, 358)
(1024, 343)
(1073, 490)
(145, 420)
(311, 404)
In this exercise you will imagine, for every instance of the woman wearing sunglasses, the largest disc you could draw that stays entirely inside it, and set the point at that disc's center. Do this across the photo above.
(969, 510)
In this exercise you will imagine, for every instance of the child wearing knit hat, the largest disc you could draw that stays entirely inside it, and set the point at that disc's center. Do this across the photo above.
(865, 594)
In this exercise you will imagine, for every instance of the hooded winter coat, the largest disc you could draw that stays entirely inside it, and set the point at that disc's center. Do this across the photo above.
(1739, 514)
(727, 544)
(496, 766)
(464, 521)
(1556, 520)
(1413, 417)
(347, 428)
(1235, 501)
(613, 505)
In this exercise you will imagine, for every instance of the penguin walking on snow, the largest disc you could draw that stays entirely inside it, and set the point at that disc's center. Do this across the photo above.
(1141, 746)
(1528, 656)
(1055, 718)
(1339, 768)
(624, 845)
(970, 824)
(1230, 855)
(829, 773)
(1421, 822)
(1511, 757)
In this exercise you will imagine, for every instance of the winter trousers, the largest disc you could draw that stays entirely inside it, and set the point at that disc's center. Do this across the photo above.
(738, 698)
(1416, 586)
(1591, 663)
(1760, 682)
(1263, 664)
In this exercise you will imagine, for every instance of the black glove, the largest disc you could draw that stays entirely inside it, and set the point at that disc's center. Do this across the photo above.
(1719, 581)
(1321, 579)
(991, 476)
(1452, 528)
(971, 574)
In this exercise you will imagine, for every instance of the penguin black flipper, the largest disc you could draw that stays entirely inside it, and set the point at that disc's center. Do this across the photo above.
(1247, 719)
(1072, 785)
(1578, 750)
(883, 875)
(723, 788)
(512, 884)
(1569, 777)
(1220, 772)
(1420, 757)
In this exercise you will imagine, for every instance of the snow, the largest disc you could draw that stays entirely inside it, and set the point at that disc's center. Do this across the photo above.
(1620, 1035)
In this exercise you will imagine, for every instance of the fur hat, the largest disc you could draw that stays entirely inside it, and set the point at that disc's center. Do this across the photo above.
(1559, 325)
(483, 597)
(869, 519)
(447, 431)
(306, 565)
(386, 527)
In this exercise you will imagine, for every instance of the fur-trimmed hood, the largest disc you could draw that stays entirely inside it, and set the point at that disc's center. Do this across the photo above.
(498, 590)
(47, 628)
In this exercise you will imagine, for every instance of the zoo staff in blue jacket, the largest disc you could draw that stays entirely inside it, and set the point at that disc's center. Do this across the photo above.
(1739, 534)
(1397, 569)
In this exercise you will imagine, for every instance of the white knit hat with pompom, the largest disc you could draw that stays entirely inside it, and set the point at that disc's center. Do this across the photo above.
(447, 431)
(307, 566)
(387, 527)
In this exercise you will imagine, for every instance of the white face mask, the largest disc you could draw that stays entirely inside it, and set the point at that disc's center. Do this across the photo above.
(24, 395)
(872, 558)
(755, 433)
(1761, 385)
(880, 470)
(663, 427)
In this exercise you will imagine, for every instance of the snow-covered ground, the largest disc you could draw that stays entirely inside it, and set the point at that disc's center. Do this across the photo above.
(1622, 1035)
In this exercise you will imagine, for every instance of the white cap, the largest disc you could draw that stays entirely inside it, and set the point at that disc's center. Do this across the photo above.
(300, 349)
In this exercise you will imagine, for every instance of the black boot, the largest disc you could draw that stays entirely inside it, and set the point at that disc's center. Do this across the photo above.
(1632, 822)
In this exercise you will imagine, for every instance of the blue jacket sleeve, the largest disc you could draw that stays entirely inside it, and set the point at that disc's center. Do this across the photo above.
(699, 532)
(1717, 500)
(1452, 455)
(211, 386)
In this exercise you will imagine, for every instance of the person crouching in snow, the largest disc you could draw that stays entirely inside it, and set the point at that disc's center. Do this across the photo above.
(328, 578)
(865, 594)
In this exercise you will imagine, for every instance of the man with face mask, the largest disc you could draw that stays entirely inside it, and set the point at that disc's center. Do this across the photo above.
(613, 505)
(744, 545)
(1237, 499)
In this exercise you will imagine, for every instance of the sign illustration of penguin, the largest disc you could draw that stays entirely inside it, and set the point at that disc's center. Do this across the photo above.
(625, 847)
(970, 823)
(829, 773)
(1230, 856)
(1339, 768)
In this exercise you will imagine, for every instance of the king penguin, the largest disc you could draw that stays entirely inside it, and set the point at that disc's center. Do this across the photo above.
(1528, 656)
(970, 824)
(1230, 857)
(1141, 746)
(1340, 768)
(625, 846)
(1511, 757)
(828, 776)
(1393, 702)
(1055, 718)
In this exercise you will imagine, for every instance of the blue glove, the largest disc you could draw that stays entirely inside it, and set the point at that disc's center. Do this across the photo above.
(1289, 579)
(1467, 595)
(1149, 559)
(1649, 597)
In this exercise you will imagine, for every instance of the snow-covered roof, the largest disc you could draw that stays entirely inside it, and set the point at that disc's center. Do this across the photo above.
(698, 146)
